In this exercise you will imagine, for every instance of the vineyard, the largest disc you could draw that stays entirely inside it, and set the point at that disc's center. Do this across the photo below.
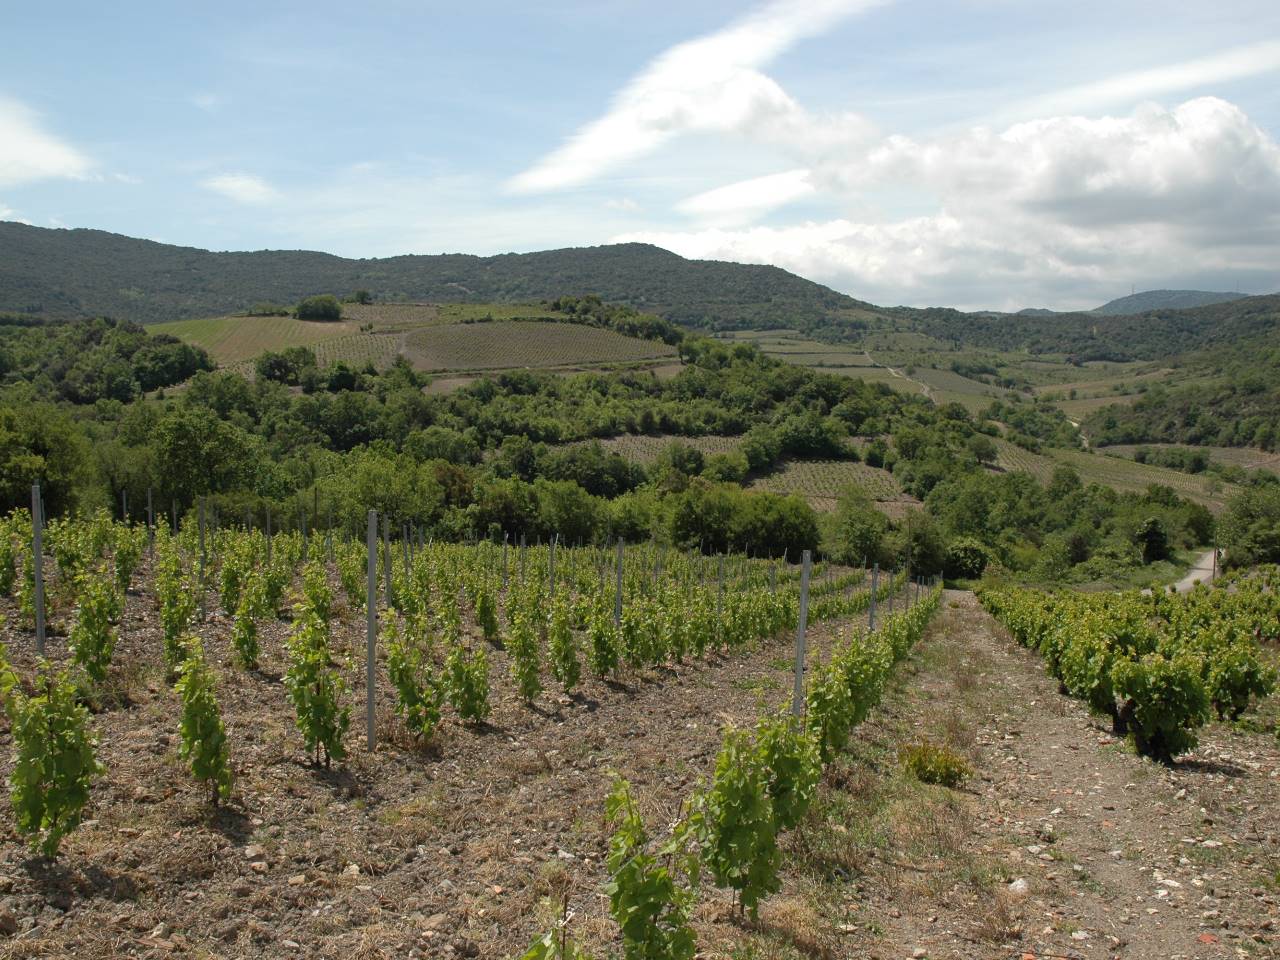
(508, 344)
(644, 449)
(210, 687)
(821, 482)
(1115, 472)
(230, 340)
(1160, 666)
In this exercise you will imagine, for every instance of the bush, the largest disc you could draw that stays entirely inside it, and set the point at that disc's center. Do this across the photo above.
(324, 307)
(966, 558)
(930, 763)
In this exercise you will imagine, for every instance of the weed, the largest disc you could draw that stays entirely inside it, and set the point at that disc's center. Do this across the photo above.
(930, 763)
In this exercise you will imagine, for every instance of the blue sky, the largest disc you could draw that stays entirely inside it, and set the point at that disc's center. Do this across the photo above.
(978, 153)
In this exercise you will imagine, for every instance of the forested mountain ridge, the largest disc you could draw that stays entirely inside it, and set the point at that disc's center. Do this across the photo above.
(1148, 300)
(72, 273)
(1154, 335)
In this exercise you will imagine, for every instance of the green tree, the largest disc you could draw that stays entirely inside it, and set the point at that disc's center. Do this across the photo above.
(323, 307)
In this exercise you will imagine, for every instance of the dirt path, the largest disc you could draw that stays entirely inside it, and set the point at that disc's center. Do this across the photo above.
(1066, 844)
(1201, 571)
(924, 387)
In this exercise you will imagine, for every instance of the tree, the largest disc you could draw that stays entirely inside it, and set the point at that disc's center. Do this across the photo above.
(1250, 528)
(856, 533)
(983, 450)
(324, 307)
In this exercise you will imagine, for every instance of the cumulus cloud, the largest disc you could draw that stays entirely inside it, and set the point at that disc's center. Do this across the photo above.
(711, 84)
(242, 188)
(1039, 212)
(28, 152)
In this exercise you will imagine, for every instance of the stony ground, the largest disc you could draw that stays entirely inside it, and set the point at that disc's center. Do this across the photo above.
(1063, 844)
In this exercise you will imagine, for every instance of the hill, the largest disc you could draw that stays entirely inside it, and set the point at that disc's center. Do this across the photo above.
(71, 273)
(1153, 335)
(1163, 300)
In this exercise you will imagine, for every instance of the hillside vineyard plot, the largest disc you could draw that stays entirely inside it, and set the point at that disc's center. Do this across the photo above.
(233, 339)
(1114, 472)
(226, 668)
(822, 481)
(504, 345)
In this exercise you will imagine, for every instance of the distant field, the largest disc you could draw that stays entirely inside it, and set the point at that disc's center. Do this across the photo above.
(644, 449)
(1113, 472)
(1079, 409)
(506, 345)
(233, 339)
(458, 337)
(820, 482)
(1247, 458)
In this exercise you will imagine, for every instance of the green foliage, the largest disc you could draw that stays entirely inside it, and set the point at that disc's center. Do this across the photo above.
(129, 542)
(932, 763)
(487, 615)
(1250, 528)
(1156, 664)
(204, 738)
(83, 361)
(522, 645)
(737, 827)
(93, 638)
(418, 695)
(553, 945)
(829, 712)
(1168, 702)
(322, 307)
(177, 596)
(649, 906)
(966, 558)
(353, 571)
(315, 688)
(466, 683)
(8, 555)
(603, 655)
(562, 646)
(244, 628)
(792, 764)
(54, 761)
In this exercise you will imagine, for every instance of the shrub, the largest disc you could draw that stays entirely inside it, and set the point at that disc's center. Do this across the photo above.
(930, 763)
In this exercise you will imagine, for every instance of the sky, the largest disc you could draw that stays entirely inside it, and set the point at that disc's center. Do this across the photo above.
(983, 154)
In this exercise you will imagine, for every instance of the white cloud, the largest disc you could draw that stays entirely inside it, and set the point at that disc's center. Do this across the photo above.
(710, 84)
(29, 153)
(241, 187)
(748, 198)
(625, 204)
(208, 102)
(1042, 213)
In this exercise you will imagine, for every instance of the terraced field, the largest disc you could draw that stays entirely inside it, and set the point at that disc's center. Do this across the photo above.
(1114, 472)
(514, 344)
(821, 482)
